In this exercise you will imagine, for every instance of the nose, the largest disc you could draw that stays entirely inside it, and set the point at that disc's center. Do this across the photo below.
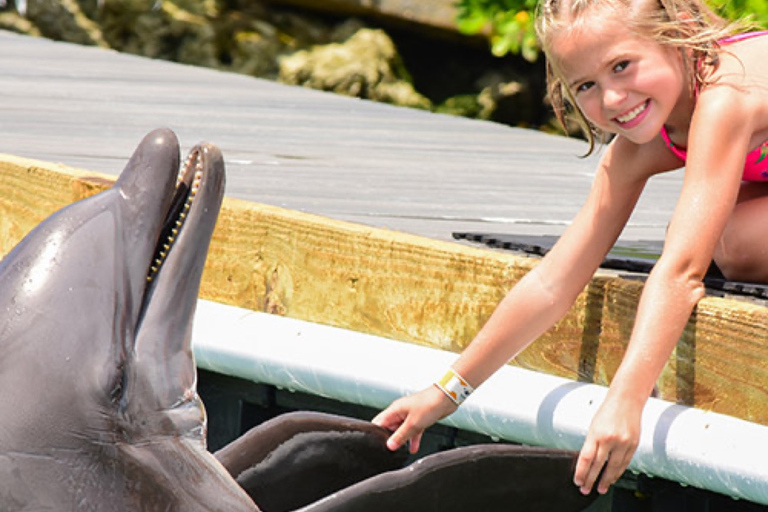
(613, 97)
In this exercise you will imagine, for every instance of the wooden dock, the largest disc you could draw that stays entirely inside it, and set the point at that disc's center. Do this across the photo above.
(312, 179)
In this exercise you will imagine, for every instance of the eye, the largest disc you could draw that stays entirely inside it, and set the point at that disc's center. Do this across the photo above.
(584, 86)
(621, 66)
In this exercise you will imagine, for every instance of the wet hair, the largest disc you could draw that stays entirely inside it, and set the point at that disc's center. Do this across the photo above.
(688, 25)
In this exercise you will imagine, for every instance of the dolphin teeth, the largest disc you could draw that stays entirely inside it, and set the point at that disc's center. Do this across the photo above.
(192, 168)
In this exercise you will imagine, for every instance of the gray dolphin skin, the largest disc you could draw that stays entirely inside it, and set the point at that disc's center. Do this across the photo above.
(297, 458)
(486, 477)
(99, 408)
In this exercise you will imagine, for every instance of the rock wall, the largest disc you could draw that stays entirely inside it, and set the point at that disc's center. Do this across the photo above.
(346, 55)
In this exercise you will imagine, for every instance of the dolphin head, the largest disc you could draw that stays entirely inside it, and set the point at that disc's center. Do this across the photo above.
(99, 408)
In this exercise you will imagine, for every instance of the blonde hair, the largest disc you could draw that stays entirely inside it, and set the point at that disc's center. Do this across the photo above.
(688, 25)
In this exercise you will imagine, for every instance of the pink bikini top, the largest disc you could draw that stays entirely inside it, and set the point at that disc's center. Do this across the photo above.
(756, 163)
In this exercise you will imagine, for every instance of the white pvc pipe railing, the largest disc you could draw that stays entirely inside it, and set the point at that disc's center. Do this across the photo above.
(694, 447)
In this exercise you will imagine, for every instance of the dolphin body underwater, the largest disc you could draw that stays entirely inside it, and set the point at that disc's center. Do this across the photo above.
(98, 404)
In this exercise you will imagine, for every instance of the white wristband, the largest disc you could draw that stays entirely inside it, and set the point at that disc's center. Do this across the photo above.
(454, 386)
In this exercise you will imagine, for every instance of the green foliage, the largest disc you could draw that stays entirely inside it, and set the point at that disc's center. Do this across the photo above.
(509, 23)
(755, 10)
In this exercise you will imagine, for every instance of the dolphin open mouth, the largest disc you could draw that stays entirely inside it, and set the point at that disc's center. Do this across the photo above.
(187, 186)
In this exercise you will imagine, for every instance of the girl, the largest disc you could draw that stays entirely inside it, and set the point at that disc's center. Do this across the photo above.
(673, 84)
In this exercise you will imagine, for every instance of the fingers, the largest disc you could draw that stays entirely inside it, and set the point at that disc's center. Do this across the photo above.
(410, 416)
(601, 461)
(405, 432)
(405, 435)
(617, 464)
(388, 419)
(589, 465)
(396, 419)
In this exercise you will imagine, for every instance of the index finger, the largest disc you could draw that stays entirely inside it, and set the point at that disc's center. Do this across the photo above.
(591, 461)
(403, 435)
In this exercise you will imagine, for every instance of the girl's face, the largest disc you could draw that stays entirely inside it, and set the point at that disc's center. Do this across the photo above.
(623, 83)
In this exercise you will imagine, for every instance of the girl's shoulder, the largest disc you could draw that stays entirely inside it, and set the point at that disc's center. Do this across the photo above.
(737, 91)
(742, 62)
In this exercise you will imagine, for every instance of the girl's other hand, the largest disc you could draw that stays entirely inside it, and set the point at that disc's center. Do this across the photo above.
(410, 416)
(611, 442)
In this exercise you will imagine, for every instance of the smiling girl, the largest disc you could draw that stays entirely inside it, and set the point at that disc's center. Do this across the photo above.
(676, 87)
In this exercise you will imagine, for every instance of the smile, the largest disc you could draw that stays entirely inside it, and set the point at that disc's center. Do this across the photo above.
(633, 114)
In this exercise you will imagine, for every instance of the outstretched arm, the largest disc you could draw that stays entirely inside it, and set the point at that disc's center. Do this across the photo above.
(539, 300)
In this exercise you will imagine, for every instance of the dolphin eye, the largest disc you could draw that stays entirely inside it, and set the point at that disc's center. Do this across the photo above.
(187, 187)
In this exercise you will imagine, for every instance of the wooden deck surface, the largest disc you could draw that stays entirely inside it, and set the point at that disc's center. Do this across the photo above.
(348, 159)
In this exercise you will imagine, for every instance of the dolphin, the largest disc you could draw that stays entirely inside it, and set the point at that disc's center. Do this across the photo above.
(99, 408)
(311, 462)
(488, 477)
(298, 458)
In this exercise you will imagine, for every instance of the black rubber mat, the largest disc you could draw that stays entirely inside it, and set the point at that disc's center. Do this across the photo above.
(627, 256)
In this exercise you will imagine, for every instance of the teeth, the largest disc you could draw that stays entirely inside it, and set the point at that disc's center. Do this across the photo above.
(193, 161)
(629, 116)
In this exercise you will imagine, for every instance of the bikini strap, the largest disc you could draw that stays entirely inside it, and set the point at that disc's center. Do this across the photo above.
(679, 153)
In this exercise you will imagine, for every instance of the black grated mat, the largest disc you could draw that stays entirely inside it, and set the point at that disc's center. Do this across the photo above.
(626, 256)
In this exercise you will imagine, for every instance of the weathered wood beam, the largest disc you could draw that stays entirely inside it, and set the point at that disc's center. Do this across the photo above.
(427, 292)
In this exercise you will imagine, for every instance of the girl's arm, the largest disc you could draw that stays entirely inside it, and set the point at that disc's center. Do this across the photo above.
(539, 300)
(720, 133)
(546, 293)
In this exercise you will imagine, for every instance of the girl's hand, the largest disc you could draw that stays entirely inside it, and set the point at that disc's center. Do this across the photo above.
(611, 442)
(409, 416)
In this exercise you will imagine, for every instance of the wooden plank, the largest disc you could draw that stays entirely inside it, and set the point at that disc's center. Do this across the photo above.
(429, 292)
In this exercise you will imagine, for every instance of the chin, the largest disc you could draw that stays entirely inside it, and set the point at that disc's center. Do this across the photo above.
(638, 137)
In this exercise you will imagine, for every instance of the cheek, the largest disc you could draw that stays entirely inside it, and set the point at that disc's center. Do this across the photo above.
(672, 74)
(670, 83)
(589, 106)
